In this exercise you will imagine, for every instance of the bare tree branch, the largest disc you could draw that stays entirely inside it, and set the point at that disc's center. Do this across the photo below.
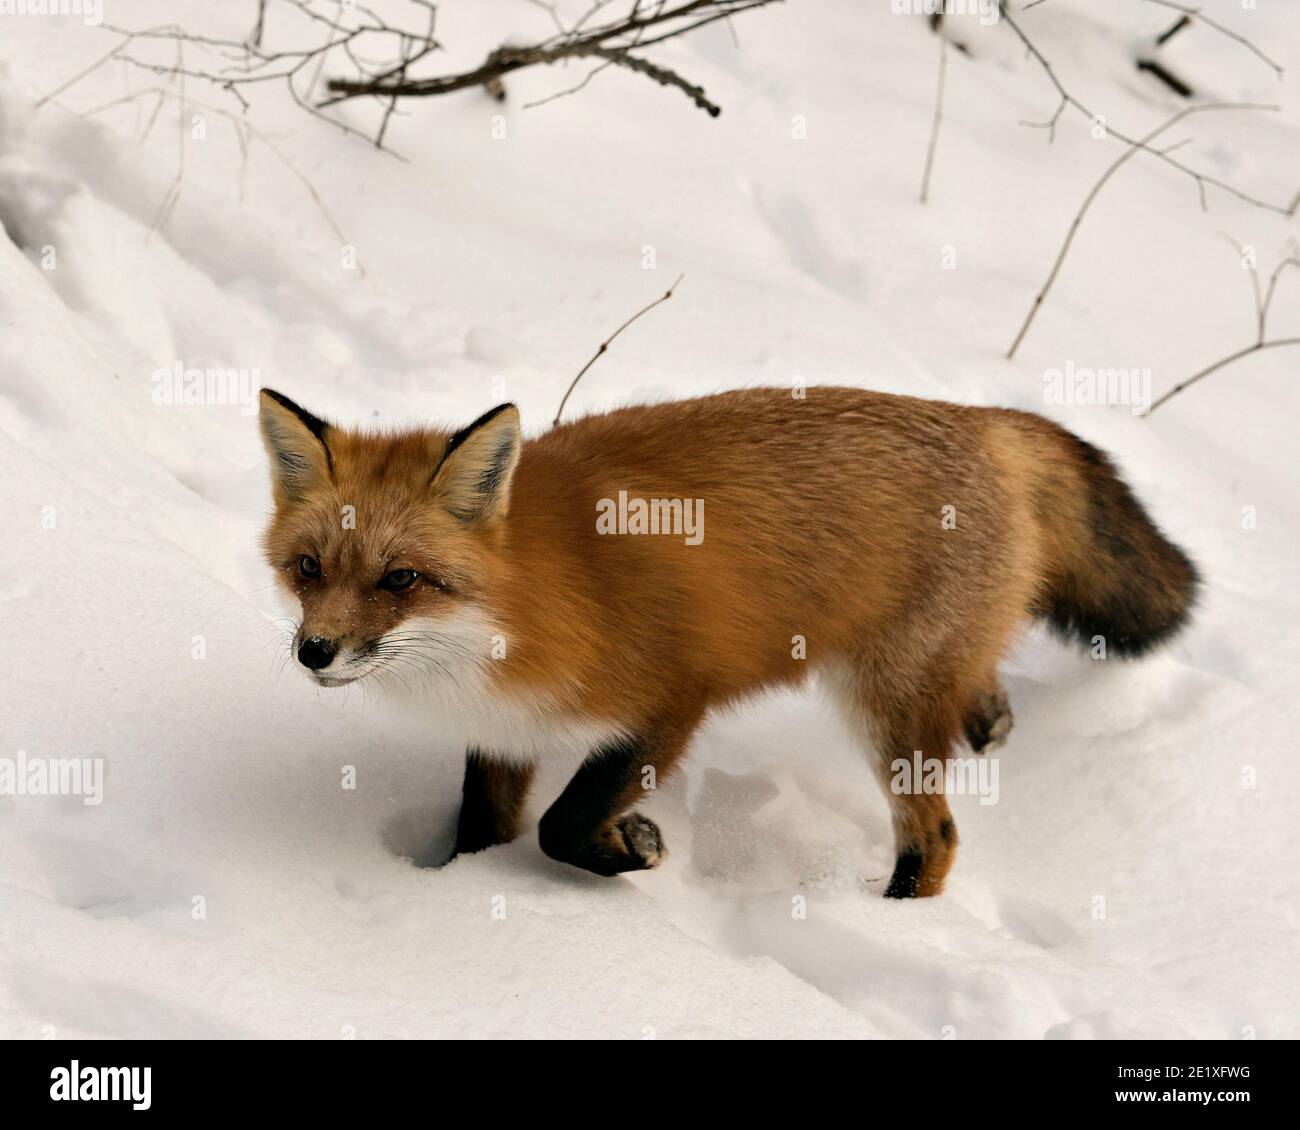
(385, 58)
(1112, 169)
(1066, 99)
(661, 75)
(612, 42)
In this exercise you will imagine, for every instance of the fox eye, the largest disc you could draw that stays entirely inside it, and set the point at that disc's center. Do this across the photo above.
(308, 566)
(398, 580)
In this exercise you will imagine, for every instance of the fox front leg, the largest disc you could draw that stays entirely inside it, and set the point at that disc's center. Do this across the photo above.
(589, 826)
(492, 802)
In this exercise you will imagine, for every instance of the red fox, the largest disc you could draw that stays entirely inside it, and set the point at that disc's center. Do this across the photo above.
(890, 545)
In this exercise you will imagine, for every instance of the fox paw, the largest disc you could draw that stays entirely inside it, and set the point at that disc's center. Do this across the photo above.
(989, 722)
(642, 839)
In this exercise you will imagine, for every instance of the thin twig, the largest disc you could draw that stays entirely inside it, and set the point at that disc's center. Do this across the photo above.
(1263, 301)
(1256, 347)
(244, 129)
(604, 345)
(938, 117)
(1134, 147)
(1202, 180)
(80, 75)
(255, 36)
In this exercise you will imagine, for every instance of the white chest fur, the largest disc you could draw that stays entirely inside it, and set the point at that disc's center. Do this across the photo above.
(444, 670)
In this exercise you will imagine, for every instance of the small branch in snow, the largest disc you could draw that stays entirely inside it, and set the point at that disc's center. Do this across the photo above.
(259, 28)
(1189, 14)
(1066, 99)
(1263, 302)
(604, 345)
(1164, 74)
(941, 27)
(245, 132)
(1222, 363)
(1165, 36)
(1142, 145)
(938, 116)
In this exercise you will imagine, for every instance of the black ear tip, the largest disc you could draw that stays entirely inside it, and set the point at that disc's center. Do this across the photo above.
(280, 399)
(461, 436)
(488, 416)
(313, 423)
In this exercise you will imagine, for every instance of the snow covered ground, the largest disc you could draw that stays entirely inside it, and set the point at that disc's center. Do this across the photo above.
(1140, 873)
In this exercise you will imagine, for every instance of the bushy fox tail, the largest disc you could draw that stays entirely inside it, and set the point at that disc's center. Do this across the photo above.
(1110, 572)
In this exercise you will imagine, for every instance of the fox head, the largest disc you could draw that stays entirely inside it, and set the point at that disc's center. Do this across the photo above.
(387, 540)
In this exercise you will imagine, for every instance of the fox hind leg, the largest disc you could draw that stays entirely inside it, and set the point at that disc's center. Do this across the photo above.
(988, 718)
(893, 721)
(925, 837)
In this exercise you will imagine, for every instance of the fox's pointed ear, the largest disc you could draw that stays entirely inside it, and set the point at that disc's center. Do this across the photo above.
(297, 443)
(473, 477)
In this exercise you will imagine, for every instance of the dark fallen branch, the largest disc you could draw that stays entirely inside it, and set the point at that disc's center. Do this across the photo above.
(613, 42)
(1190, 14)
(1165, 36)
(1165, 75)
(661, 75)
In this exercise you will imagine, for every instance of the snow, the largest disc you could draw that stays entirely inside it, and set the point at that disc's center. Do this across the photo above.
(1138, 875)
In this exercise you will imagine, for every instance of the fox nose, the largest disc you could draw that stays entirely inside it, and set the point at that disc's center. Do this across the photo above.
(316, 653)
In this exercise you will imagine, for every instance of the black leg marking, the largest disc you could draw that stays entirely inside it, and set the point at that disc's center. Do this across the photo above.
(907, 874)
(580, 829)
